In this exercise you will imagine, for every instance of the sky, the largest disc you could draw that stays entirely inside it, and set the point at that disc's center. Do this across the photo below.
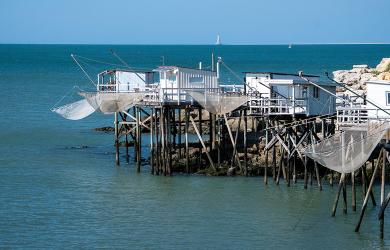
(194, 22)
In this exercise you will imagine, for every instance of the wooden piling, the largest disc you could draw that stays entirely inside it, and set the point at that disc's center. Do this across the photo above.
(364, 206)
(116, 138)
(353, 191)
(186, 117)
(382, 218)
(336, 201)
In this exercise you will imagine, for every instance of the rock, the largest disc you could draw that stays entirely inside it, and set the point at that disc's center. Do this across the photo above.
(231, 171)
(384, 76)
(339, 75)
(366, 77)
(105, 129)
(357, 77)
(384, 65)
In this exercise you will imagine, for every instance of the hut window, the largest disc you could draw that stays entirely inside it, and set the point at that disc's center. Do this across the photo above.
(316, 92)
(196, 79)
(388, 98)
(171, 76)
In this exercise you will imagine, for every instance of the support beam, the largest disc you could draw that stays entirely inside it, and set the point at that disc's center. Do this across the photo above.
(203, 145)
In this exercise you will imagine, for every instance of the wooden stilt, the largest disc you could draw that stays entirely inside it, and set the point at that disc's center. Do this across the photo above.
(179, 132)
(201, 141)
(336, 201)
(169, 140)
(201, 133)
(364, 206)
(151, 131)
(127, 148)
(232, 140)
(344, 197)
(138, 132)
(353, 191)
(370, 192)
(245, 143)
(186, 139)
(305, 174)
(116, 138)
(382, 218)
(235, 140)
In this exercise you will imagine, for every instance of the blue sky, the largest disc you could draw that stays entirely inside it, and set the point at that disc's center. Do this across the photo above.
(194, 22)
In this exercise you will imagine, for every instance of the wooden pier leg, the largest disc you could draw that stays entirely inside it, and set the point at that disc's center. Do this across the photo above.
(288, 169)
(336, 201)
(127, 148)
(274, 162)
(157, 143)
(219, 142)
(364, 185)
(163, 134)
(265, 167)
(281, 163)
(353, 191)
(135, 145)
(232, 141)
(201, 133)
(344, 196)
(245, 143)
(186, 117)
(179, 132)
(305, 174)
(371, 192)
(203, 145)
(382, 218)
(138, 139)
(331, 178)
(236, 140)
(357, 228)
(116, 122)
(169, 140)
(319, 184)
(152, 160)
(212, 131)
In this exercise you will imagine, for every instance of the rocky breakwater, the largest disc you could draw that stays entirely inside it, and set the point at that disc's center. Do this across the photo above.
(357, 77)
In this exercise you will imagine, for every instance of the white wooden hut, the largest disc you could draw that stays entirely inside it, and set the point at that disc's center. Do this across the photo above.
(289, 94)
(119, 80)
(378, 92)
(174, 81)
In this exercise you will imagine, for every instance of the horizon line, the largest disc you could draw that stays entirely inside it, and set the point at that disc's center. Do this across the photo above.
(204, 44)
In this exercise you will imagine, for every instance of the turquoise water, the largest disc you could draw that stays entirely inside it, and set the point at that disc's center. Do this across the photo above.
(55, 193)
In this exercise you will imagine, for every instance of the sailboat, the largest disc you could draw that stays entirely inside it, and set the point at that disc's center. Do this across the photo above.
(290, 46)
(218, 42)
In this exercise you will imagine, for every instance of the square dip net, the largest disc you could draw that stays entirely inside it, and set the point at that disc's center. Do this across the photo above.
(219, 103)
(347, 150)
(107, 103)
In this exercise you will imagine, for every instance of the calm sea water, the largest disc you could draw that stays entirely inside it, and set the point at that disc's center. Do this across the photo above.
(54, 193)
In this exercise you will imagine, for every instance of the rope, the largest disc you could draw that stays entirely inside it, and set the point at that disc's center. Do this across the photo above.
(62, 98)
(86, 74)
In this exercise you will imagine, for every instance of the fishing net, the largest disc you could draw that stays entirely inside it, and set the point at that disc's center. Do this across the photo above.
(109, 103)
(106, 103)
(219, 103)
(347, 150)
(75, 110)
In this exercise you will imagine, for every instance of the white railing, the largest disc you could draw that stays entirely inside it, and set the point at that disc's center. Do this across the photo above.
(277, 106)
(180, 94)
(348, 116)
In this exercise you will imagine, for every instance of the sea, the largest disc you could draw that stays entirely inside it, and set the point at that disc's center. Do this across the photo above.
(60, 188)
